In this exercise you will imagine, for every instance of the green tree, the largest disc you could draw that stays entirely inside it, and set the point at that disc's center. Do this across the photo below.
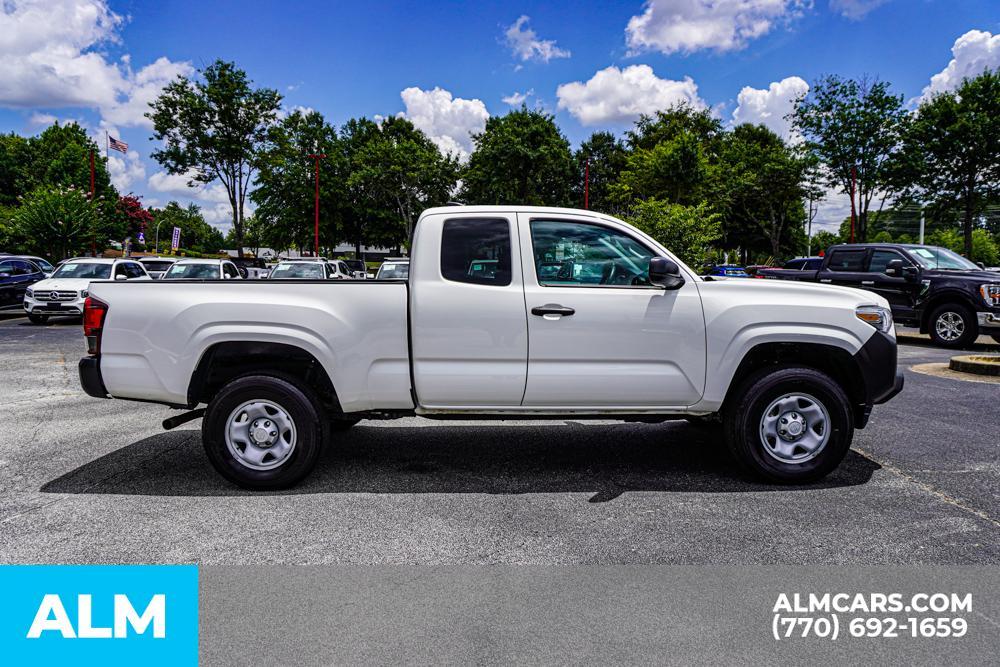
(854, 125)
(952, 151)
(196, 234)
(605, 157)
(286, 188)
(823, 239)
(679, 119)
(764, 184)
(56, 222)
(687, 231)
(215, 129)
(401, 171)
(520, 158)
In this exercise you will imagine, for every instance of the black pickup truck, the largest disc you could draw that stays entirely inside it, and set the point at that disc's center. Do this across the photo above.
(935, 289)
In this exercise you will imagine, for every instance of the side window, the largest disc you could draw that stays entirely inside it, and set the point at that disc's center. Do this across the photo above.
(133, 270)
(229, 270)
(578, 253)
(476, 251)
(120, 270)
(22, 268)
(847, 260)
(7, 267)
(881, 258)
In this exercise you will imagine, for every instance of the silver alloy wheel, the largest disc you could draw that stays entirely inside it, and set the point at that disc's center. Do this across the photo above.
(795, 428)
(260, 435)
(949, 326)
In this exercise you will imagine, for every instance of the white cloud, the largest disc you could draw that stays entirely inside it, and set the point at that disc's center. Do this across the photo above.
(855, 9)
(124, 170)
(670, 26)
(39, 119)
(516, 99)
(212, 198)
(972, 53)
(448, 121)
(49, 60)
(831, 211)
(770, 106)
(525, 44)
(619, 96)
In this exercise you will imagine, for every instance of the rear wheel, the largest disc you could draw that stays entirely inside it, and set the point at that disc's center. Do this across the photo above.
(263, 432)
(953, 325)
(38, 319)
(789, 425)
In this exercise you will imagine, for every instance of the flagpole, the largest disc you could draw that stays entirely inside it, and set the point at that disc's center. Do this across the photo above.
(107, 155)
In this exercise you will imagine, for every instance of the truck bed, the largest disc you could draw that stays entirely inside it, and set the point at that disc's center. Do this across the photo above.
(156, 333)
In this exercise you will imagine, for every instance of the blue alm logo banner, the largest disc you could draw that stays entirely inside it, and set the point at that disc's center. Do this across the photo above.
(99, 614)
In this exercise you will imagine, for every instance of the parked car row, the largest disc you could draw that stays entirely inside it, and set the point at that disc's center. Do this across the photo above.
(41, 290)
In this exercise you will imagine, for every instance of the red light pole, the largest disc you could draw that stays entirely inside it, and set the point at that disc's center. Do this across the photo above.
(316, 158)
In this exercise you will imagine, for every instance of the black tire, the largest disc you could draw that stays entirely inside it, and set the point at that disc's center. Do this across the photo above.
(968, 324)
(38, 319)
(342, 424)
(300, 405)
(744, 412)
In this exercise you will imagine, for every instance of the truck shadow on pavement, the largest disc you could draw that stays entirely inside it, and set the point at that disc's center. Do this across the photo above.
(604, 460)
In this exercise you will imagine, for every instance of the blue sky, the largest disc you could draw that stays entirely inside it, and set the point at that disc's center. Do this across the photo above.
(447, 65)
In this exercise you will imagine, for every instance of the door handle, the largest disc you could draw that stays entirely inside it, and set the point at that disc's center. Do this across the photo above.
(825, 280)
(867, 282)
(552, 309)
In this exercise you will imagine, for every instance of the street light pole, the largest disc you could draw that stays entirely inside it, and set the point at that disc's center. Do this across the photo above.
(316, 158)
(160, 222)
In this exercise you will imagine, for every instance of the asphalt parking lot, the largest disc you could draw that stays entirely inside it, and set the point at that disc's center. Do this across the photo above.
(84, 480)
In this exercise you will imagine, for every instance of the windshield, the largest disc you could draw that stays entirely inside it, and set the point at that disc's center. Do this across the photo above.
(932, 257)
(293, 270)
(394, 272)
(91, 270)
(192, 272)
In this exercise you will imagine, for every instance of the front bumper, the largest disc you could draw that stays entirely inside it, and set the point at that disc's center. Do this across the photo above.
(90, 377)
(72, 308)
(882, 380)
(988, 320)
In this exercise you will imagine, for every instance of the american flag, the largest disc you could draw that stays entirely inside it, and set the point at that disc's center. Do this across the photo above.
(116, 145)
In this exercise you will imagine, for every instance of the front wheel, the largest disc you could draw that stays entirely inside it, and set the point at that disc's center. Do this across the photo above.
(789, 425)
(263, 432)
(953, 326)
(38, 319)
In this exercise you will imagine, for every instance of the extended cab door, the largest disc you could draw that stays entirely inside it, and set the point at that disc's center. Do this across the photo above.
(469, 335)
(846, 266)
(600, 336)
(898, 291)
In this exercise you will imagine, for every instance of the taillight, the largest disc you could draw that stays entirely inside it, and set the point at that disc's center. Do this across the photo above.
(94, 312)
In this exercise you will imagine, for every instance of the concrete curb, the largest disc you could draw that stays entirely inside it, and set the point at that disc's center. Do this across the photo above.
(976, 364)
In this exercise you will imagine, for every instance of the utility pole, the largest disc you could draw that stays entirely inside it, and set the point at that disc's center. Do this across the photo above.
(921, 226)
(854, 176)
(586, 184)
(316, 157)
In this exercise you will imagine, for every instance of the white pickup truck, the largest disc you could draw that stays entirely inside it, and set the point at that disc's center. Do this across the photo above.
(509, 312)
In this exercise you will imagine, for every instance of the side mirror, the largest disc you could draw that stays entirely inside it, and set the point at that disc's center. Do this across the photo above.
(981, 265)
(911, 273)
(4, 275)
(894, 268)
(665, 273)
(121, 276)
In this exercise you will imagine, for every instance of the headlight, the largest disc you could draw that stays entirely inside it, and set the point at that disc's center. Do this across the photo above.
(84, 294)
(991, 294)
(877, 316)
(29, 293)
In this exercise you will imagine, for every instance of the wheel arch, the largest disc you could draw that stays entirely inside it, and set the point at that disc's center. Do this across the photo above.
(225, 361)
(834, 361)
(938, 300)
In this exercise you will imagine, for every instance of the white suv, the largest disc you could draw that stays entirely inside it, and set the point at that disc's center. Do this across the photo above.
(67, 289)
